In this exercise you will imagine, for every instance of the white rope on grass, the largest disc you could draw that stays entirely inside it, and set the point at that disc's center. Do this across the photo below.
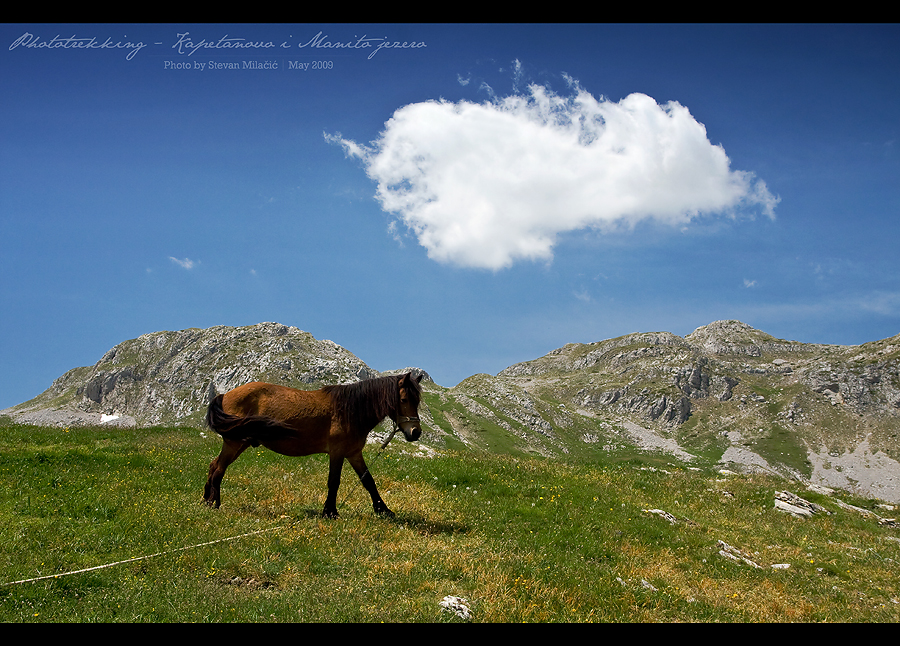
(140, 558)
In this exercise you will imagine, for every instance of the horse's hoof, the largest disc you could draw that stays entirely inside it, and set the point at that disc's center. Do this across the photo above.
(384, 511)
(329, 513)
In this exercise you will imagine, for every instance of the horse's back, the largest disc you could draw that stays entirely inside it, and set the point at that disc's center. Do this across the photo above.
(277, 402)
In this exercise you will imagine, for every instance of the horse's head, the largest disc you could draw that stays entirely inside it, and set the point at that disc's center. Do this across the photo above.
(408, 414)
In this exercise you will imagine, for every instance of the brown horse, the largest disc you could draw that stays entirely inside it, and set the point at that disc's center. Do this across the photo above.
(334, 420)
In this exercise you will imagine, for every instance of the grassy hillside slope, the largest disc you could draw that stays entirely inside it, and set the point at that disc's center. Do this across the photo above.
(519, 536)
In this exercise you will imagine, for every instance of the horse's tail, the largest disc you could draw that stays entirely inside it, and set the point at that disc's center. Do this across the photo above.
(252, 428)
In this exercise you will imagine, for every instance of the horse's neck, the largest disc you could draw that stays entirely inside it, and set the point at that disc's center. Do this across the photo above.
(371, 415)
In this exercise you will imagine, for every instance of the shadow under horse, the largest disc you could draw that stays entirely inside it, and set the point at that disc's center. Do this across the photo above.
(335, 420)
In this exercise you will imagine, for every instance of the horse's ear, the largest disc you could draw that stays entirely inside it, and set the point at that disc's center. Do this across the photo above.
(409, 377)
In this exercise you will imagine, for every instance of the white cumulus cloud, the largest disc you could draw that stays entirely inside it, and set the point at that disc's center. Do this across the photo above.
(187, 263)
(487, 184)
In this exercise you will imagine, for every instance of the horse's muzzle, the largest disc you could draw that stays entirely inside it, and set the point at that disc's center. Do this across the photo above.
(410, 427)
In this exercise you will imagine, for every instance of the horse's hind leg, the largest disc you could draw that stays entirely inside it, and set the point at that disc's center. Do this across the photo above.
(229, 453)
(359, 465)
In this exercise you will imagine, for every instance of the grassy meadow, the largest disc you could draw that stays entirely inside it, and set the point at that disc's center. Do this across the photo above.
(523, 539)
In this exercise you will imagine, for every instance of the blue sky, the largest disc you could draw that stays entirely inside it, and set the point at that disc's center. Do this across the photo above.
(477, 200)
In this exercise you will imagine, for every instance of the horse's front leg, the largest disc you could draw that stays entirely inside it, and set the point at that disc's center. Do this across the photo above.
(335, 464)
(359, 465)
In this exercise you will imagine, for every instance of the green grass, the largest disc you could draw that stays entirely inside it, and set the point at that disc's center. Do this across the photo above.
(522, 538)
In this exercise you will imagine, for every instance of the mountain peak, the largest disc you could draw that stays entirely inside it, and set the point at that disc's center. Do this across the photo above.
(733, 337)
(169, 377)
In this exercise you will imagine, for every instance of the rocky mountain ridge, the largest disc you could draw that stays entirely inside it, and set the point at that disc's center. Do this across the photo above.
(726, 393)
(169, 377)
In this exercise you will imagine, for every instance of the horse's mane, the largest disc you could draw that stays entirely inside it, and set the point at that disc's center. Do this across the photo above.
(363, 404)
